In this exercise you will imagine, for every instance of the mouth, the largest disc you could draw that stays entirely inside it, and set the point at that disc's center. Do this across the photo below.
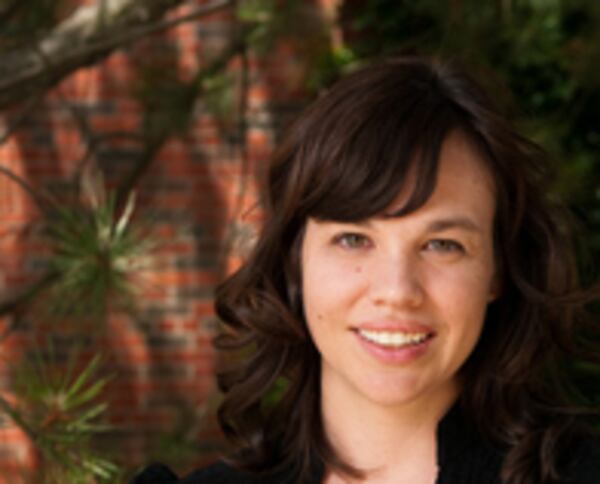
(393, 339)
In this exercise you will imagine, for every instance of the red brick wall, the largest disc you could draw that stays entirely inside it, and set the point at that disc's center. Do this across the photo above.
(196, 192)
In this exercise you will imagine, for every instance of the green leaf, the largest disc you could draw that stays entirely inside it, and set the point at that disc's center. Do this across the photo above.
(88, 415)
(83, 377)
(123, 221)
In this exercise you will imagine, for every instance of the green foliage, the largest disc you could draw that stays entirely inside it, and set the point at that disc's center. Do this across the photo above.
(270, 23)
(329, 65)
(93, 253)
(260, 14)
(61, 411)
(219, 95)
(94, 250)
(546, 52)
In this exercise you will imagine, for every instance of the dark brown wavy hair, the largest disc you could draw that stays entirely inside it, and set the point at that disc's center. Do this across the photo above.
(345, 159)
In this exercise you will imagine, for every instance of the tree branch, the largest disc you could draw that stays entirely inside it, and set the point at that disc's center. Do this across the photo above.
(90, 33)
(39, 201)
(194, 88)
(8, 409)
(30, 104)
(17, 303)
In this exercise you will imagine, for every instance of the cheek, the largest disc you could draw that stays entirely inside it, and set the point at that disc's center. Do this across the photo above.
(463, 296)
(475, 276)
(330, 290)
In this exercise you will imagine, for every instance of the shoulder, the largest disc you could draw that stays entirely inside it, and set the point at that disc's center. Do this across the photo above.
(217, 473)
(584, 465)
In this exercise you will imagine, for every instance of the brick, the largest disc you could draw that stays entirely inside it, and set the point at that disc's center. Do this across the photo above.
(187, 199)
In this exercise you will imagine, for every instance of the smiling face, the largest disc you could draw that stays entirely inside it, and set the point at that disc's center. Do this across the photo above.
(395, 305)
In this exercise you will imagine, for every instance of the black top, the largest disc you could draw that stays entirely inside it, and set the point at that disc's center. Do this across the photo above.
(464, 457)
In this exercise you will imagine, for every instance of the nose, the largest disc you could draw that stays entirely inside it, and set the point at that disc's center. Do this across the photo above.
(395, 282)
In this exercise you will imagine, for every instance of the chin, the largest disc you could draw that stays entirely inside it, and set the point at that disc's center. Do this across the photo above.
(395, 394)
(389, 395)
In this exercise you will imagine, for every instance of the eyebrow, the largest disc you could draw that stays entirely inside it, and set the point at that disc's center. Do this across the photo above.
(454, 223)
(439, 225)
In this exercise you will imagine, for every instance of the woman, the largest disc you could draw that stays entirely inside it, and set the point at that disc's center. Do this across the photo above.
(407, 310)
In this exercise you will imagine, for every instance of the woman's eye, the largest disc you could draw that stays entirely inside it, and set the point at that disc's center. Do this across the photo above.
(352, 241)
(444, 246)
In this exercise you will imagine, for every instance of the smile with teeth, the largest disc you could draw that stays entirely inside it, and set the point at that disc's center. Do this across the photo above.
(393, 339)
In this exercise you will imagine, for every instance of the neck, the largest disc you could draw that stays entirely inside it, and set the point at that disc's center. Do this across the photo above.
(386, 441)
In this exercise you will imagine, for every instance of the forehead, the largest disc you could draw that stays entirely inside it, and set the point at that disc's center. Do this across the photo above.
(463, 176)
(464, 188)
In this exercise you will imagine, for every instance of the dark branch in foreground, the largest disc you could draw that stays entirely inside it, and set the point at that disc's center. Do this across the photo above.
(89, 34)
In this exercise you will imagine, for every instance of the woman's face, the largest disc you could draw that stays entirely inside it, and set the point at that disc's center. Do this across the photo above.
(395, 305)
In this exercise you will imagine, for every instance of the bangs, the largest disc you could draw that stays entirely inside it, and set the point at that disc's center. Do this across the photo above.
(362, 157)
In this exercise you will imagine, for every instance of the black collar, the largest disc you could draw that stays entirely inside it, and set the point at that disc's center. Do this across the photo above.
(464, 456)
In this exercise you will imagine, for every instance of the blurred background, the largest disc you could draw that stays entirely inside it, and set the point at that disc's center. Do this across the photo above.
(132, 136)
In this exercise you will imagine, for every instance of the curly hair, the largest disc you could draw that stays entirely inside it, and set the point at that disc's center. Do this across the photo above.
(345, 159)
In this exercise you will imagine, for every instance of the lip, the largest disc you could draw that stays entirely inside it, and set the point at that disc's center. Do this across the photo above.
(390, 355)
